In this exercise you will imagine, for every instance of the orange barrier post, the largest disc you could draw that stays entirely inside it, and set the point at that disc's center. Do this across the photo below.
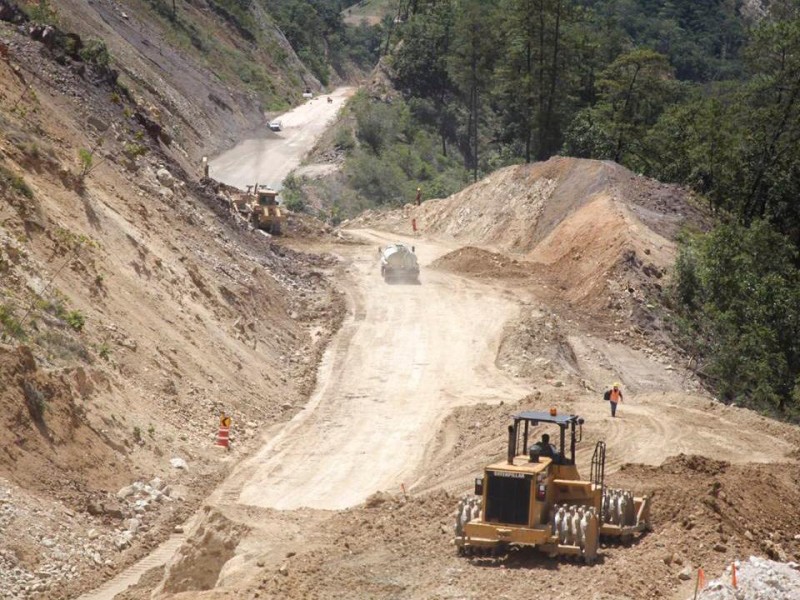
(414, 224)
(733, 575)
(700, 582)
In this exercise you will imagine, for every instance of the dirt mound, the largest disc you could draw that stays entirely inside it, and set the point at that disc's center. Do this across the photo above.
(517, 207)
(598, 239)
(536, 346)
(683, 464)
(712, 508)
(571, 216)
(482, 264)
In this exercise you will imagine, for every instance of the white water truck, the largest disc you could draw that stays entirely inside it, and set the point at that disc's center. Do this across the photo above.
(399, 263)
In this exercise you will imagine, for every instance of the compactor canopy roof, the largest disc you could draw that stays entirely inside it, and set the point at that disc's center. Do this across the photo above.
(546, 417)
(525, 419)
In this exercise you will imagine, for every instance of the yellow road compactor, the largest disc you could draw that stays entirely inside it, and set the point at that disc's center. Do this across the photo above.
(536, 497)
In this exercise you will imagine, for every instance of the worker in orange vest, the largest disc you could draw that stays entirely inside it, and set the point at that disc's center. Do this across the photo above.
(614, 395)
(418, 199)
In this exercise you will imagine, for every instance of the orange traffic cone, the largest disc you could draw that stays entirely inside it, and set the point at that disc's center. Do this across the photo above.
(223, 437)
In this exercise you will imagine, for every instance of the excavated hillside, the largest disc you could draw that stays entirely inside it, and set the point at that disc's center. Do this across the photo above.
(207, 77)
(590, 236)
(422, 380)
(135, 308)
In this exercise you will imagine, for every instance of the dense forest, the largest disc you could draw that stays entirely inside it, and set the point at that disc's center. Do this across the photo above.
(329, 50)
(705, 93)
(317, 33)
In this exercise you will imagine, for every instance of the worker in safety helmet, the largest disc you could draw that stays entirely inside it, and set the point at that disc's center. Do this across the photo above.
(614, 395)
(418, 200)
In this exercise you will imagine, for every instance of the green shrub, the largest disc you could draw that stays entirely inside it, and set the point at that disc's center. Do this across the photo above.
(86, 160)
(133, 150)
(14, 183)
(11, 325)
(43, 13)
(737, 291)
(96, 53)
(377, 123)
(382, 182)
(292, 193)
(343, 140)
(104, 351)
(75, 319)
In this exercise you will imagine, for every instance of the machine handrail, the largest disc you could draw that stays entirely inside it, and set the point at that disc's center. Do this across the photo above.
(598, 471)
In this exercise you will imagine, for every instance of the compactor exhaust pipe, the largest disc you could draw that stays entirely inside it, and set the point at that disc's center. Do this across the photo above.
(512, 435)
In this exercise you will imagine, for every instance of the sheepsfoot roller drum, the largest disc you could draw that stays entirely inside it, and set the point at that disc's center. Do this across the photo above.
(536, 498)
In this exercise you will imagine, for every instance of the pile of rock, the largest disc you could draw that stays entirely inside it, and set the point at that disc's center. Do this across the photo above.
(142, 497)
(757, 579)
(61, 546)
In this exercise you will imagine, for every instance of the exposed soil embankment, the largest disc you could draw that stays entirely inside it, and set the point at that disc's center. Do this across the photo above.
(188, 73)
(588, 237)
(134, 310)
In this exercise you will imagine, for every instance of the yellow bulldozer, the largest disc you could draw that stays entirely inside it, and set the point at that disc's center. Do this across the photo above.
(537, 498)
(260, 205)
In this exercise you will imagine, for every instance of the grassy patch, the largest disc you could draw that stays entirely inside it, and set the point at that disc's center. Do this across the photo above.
(96, 53)
(133, 150)
(75, 319)
(62, 347)
(36, 401)
(13, 183)
(11, 326)
(104, 351)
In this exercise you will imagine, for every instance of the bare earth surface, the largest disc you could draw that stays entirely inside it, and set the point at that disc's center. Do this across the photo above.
(407, 356)
(536, 291)
(269, 159)
(409, 399)
(417, 387)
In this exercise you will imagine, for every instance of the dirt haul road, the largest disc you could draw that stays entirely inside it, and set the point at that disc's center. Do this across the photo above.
(407, 356)
(269, 159)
